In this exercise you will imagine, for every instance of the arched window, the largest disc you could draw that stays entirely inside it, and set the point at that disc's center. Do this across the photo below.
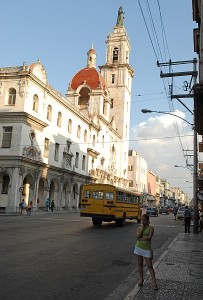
(115, 55)
(59, 119)
(49, 112)
(11, 97)
(83, 100)
(78, 131)
(93, 140)
(35, 103)
(103, 141)
(126, 131)
(69, 125)
(85, 135)
(111, 102)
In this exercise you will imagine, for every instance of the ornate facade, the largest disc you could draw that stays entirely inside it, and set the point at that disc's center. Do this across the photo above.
(50, 144)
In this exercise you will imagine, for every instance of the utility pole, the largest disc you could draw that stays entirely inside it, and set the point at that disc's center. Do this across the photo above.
(194, 74)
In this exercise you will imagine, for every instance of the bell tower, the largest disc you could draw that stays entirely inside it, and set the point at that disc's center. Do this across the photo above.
(118, 75)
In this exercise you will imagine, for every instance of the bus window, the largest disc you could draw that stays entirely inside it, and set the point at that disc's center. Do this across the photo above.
(128, 198)
(119, 196)
(98, 195)
(87, 194)
(109, 196)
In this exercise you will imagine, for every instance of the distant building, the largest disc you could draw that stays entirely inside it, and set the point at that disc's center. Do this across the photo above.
(181, 198)
(137, 172)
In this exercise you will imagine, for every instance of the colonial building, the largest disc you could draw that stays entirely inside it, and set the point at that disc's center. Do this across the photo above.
(137, 172)
(51, 144)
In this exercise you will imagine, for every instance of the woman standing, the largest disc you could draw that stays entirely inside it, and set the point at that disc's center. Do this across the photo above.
(143, 249)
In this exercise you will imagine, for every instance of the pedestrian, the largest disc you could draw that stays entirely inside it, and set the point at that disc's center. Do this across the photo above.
(175, 210)
(187, 219)
(29, 208)
(21, 206)
(143, 249)
(200, 220)
(47, 203)
(52, 205)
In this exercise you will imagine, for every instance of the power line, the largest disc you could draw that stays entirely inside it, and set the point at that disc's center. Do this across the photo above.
(110, 142)
(147, 30)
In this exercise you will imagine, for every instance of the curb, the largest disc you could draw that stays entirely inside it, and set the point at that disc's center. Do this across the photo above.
(137, 288)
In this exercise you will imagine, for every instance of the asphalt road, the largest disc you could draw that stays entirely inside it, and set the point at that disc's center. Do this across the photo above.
(63, 256)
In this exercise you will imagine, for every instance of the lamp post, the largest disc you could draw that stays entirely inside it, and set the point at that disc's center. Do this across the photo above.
(195, 171)
(145, 111)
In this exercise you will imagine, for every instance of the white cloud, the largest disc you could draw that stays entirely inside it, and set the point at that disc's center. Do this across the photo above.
(157, 141)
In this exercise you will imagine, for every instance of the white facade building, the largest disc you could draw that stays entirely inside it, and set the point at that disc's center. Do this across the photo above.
(50, 144)
(137, 172)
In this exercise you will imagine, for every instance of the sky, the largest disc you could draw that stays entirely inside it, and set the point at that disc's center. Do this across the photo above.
(60, 33)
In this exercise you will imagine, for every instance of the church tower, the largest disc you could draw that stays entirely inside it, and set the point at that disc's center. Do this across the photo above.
(118, 75)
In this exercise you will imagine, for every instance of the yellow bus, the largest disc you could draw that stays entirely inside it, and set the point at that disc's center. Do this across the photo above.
(106, 203)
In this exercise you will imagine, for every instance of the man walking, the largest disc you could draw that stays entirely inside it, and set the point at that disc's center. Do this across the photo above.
(175, 210)
(187, 218)
(47, 204)
(22, 206)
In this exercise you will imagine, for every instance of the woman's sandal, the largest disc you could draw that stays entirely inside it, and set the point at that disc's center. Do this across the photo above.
(156, 287)
(141, 283)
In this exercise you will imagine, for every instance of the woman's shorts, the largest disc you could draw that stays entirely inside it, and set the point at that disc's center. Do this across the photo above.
(143, 252)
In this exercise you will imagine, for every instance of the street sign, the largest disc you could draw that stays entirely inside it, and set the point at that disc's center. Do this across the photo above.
(200, 195)
(21, 189)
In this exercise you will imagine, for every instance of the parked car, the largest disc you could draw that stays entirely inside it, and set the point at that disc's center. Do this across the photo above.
(164, 210)
(152, 211)
(180, 212)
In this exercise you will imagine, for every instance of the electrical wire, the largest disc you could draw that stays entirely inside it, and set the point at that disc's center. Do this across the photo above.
(158, 53)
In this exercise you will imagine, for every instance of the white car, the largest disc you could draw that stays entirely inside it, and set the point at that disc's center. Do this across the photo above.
(180, 213)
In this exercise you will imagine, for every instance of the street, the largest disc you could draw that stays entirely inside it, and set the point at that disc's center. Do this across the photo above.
(63, 256)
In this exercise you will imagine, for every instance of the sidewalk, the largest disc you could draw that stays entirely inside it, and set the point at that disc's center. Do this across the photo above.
(179, 272)
(40, 212)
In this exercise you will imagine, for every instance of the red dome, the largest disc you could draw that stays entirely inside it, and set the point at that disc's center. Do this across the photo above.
(91, 76)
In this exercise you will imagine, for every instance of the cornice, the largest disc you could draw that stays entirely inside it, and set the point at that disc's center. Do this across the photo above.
(92, 152)
(110, 127)
(118, 65)
(22, 117)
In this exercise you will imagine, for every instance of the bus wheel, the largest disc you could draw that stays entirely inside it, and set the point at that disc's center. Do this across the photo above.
(121, 222)
(96, 221)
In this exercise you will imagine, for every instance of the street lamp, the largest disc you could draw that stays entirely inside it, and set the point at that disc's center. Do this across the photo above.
(195, 172)
(146, 111)
(176, 166)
